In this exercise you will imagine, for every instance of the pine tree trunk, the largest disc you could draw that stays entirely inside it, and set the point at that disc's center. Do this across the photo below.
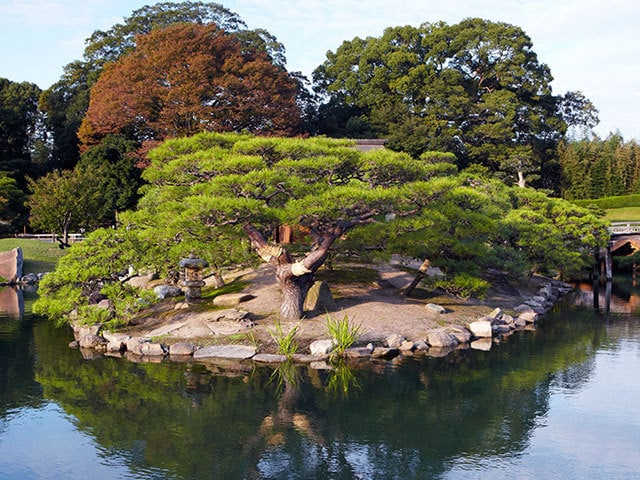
(294, 291)
(295, 278)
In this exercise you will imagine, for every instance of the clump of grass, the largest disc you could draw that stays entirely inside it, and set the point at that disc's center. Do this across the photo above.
(287, 343)
(342, 333)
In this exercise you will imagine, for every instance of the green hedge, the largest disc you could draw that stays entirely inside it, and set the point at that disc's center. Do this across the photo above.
(611, 202)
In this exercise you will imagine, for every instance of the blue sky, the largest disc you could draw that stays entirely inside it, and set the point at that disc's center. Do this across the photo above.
(590, 45)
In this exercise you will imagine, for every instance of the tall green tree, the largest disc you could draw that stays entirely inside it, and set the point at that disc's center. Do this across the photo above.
(119, 180)
(19, 126)
(12, 204)
(475, 89)
(62, 201)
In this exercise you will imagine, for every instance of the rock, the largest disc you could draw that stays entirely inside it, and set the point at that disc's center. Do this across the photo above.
(406, 346)
(421, 346)
(11, 265)
(481, 328)
(74, 344)
(92, 341)
(523, 308)
(519, 322)
(319, 298)
(462, 334)
(134, 345)
(394, 340)
(441, 339)
(142, 281)
(384, 352)
(231, 299)
(233, 352)
(29, 278)
(181, 306)
(167, 291)
(483, 344)
(320, 348)
(435, 308)
(105, 304)
(506, 319)
(357, 352)
(529, 317)
(500, 329)
(152, 349)
(231, 314)
(182, 349)
(269, 358)
(495, 314)
(116, 342)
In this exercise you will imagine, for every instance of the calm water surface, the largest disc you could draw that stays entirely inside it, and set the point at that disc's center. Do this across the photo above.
(562, 401)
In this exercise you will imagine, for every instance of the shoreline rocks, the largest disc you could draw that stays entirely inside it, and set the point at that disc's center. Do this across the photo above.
(480, 334)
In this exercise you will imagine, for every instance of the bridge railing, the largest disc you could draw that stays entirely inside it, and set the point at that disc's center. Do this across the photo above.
(623, 228)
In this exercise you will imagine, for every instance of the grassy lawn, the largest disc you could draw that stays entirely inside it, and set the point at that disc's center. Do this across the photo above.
(38, 256)
(625, 214)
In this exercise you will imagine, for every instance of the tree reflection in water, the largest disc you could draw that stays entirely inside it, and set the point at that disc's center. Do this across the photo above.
(409, 418)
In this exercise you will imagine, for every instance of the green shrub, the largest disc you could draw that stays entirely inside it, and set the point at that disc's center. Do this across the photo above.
(464, 285)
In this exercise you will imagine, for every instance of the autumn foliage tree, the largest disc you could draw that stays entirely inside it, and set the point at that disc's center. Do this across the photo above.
(189, 78)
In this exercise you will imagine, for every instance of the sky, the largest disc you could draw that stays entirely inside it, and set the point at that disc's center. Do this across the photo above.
(591, 46)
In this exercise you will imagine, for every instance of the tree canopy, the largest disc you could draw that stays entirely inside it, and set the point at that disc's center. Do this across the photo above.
(215, 194)
(187, 78)
(19, 123)
(66, 102)
(475, 88)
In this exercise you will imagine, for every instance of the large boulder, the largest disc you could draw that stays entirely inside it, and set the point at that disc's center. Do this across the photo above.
(319, 298)
(481, 329)
(320, 348)
(167, 291)
(442, 339)
(11, 265)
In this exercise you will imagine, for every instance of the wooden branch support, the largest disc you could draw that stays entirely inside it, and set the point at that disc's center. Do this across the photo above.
(422, 271)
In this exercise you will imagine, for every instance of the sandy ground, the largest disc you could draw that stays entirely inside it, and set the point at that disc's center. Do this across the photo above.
(378, 307)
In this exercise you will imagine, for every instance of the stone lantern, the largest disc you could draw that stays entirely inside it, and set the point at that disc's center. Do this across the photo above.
(191, 273)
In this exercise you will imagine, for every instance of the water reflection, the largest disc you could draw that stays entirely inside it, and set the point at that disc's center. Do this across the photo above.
(418, 417)
(11, 301)
(620, 296)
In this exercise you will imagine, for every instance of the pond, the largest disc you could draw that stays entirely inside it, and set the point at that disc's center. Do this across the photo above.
(557, 402)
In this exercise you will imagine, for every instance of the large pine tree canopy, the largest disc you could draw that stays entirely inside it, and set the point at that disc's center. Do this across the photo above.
(210, 193)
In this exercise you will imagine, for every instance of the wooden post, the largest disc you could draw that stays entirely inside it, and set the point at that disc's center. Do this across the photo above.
(422, 271)
(608, 264)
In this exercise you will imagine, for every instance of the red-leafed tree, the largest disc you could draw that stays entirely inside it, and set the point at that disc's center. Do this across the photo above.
(189, 78)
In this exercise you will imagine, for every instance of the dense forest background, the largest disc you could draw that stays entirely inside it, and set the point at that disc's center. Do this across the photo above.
(72, 156)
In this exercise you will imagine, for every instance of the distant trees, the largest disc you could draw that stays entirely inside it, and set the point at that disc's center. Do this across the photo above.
(187, 78)
(595, 168)
(62, 201)
(475, 89)
(21, 135)
(66, 102)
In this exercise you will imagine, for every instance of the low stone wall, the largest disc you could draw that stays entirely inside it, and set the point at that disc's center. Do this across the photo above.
(479, 334)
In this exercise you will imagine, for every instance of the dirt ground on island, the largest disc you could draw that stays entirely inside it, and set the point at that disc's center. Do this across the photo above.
(376, 304)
